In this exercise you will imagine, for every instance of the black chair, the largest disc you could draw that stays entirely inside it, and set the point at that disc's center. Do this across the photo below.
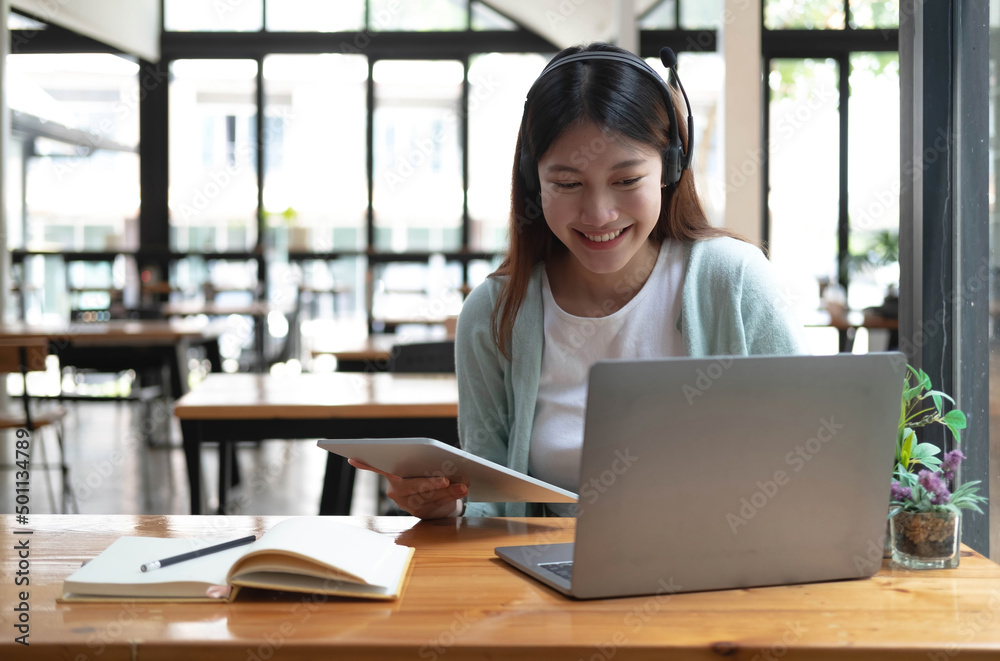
(423, 357)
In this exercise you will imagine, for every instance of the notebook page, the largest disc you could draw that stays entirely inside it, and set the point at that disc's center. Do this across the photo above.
(116, 571)
(352, 550)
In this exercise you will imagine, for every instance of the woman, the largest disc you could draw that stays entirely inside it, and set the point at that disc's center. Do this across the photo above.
(611, 256)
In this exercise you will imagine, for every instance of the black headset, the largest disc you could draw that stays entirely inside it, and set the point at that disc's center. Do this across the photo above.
(675, 159)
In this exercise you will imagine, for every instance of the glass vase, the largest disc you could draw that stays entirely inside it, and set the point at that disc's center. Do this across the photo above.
(926, 540)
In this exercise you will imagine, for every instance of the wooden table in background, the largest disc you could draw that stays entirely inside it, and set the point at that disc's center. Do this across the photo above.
(847, 323)
(114, 346)
(227, 408)
(461, 602)
(369, 353)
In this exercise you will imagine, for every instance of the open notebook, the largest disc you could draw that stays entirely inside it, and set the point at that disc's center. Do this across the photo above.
(308, 554)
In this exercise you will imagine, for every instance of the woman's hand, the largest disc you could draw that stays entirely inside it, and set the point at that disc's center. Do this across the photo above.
(423, 497)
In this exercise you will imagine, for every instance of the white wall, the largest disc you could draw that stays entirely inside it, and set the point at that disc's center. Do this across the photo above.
(131, 25)
(742, 126)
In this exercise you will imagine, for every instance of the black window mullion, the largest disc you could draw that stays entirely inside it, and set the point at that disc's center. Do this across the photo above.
(944, 247)
(843, 220)
(843, 226)
(971, 276)
(259, 251)
(464, 128)
(370, 176)
(370, 157)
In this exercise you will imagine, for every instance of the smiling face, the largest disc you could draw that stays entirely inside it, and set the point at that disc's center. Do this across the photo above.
(601, 198)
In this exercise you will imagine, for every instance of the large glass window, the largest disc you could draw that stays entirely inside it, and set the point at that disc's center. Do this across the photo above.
(803, 201)
(870, 14)
(498, 84)
(701, 14)
(75, 120)
(215, 16)
(213, 136)
(314, 189)
(417, 155)
(804, 14)
(703, 75)
(315, 15)
(418, 16)
(873, 178)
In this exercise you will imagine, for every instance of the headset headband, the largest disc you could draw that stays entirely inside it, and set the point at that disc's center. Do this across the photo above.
(675, 159)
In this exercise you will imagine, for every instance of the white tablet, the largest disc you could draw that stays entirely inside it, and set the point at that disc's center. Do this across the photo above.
(424, 457)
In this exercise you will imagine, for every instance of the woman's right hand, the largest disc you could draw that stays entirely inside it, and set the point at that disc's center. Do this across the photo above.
(423, 497)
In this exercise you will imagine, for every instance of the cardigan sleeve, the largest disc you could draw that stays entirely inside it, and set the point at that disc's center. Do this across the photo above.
(769, 324)
(483, 409)
(732, 303)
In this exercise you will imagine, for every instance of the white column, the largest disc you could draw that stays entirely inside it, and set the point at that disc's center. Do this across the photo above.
(628, 27)
(5, 264)
(743, 121)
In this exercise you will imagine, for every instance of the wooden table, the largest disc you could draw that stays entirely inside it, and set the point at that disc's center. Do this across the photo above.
(849, 322)
(368, 353)
(461, 602)
(227, 408)
(119, 345)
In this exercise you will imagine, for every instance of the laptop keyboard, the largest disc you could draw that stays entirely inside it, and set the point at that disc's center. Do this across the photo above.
(560, 569)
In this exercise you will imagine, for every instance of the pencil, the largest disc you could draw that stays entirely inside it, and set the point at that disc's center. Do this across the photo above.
(172, 560)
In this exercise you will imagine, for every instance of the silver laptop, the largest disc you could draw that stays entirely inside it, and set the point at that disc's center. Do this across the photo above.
(728, 472)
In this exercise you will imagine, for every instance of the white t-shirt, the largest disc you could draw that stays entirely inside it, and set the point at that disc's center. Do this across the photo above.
(643, 328)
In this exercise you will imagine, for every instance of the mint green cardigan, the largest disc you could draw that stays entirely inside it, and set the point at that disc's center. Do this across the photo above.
(730, 305)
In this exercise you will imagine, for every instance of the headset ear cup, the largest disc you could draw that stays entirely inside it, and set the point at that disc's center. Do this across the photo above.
(671, 166)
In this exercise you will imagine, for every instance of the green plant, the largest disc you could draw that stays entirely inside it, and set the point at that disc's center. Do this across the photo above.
(922, 479)
(914, 413)
(877, 249)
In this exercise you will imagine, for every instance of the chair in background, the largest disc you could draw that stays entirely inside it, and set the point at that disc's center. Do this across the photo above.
(423, 357)
(23, 356)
